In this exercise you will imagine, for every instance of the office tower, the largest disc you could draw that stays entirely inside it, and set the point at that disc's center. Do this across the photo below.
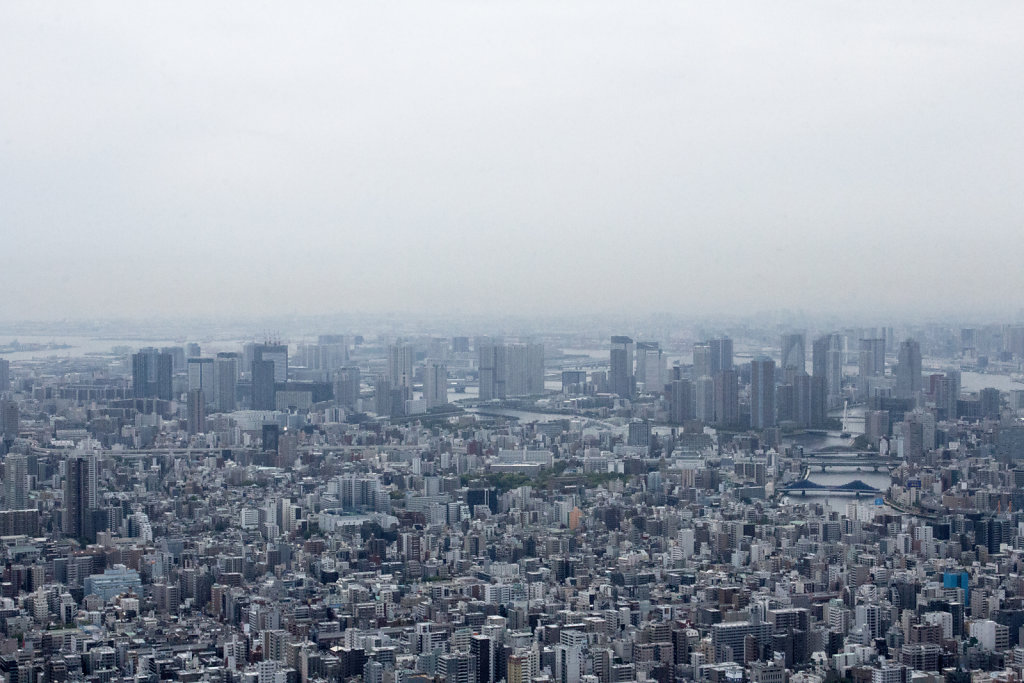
(225, 381)
(347, 386)
(263, 386)
(401, 359)
(819, 401)
(275, 353)
(10, 419)
(435, 383)
(803, 400)
(680, 403)
(650, 366)
(785, 402)
(762, 393)
(16, 482)
(5, 375)
(721, 355)
(569, 656)
(620, 377)
(331, 351)
(639, 433)
(704, 403)
(460, 344)
(947, 393)
(908, 370)
(793, 356)
(871, 362)
(701, 360)
(990, 403)
(151, 374)
(517, 370)
(535, 368)
(80, 498)
(508, 370)
(827, 363)
(727, 398)
(200, 375)
(482, 652)
(196, 411)
(492, 370)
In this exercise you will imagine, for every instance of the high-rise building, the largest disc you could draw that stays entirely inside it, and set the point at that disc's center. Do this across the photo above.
(620, 377)
(762, 393)
(721, 355)
(727, 398)
(16, 482)
(871, 362)
(680, 401)
(263, 385)
(196, 406)
(704, 404)
(908, 370)
(508, 370)
(201, 375)
(401, 361)
(827, 363)
(80, 496)
(701, 360)
(10, 419)
(152, 371)
(276, 354)
(225, 381)
(435, 383)
(793, 356)
(5, 375)
(482, 652)
(650, 366)
(346, 388)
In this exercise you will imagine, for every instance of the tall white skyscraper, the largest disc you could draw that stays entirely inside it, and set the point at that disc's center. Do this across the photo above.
(435, 383)
(401, 358)
(650, 366)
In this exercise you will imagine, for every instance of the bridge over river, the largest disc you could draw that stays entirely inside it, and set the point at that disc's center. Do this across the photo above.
(856, 487)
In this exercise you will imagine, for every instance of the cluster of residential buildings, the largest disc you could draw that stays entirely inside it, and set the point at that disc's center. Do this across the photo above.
(460, 510)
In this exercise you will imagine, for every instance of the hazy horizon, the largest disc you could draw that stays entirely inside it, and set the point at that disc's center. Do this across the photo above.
(244, 161)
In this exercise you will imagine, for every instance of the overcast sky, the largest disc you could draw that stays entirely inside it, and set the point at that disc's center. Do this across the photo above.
(260, 158)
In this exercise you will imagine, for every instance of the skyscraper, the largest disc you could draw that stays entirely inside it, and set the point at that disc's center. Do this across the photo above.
(80, 498)
(793, 356)
(5, 375)
(16, 482)
(196, 411)
(275, 353)
(871, 362)
(401, 359)
(620, 377)
(701, 360)
(225, 381)
(908, 370)
(10, 419)
(346, 390)
(201, 375)
(508, 370)
(151, 374)
(263, 388)
(650, 366)
(762, 393)
(435, 383)
(704, 392)
(680, 401)
(727, 398)
(721, 355)
(827, 363)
